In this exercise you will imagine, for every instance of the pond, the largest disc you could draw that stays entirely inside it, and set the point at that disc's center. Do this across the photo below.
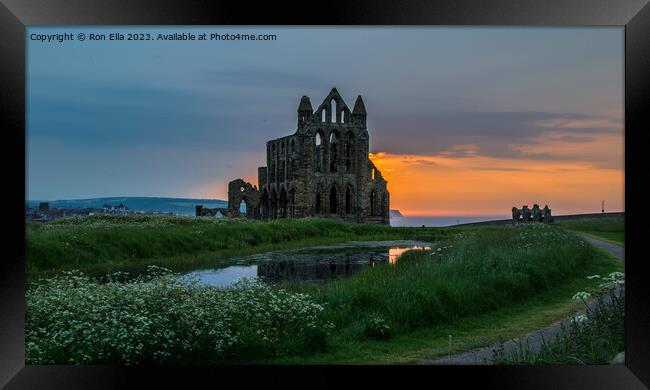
(317, 264)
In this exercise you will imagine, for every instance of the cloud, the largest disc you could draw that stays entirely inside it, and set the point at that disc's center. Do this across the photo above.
(425, 162)
(492, 133)
(500, 169)
(602, 150)
(572, 138)
(410, 160)
(461, 151)
(584, 124)
(103, 114)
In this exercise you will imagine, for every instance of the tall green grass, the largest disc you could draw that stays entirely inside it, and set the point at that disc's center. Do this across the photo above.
(110, 242)
(595, 337)
(609, 228)
(484, 270)
(475, 272)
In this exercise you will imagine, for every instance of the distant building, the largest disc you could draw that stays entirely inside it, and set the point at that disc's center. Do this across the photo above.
(112, 209)
(43, 213)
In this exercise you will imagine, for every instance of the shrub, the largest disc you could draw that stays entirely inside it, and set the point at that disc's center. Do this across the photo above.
(73, 319)
(376, 328)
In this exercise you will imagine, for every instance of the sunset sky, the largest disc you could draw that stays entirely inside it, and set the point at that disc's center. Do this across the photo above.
(462, 121)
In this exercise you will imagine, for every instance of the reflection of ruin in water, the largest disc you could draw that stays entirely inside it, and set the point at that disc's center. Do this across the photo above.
(316, 271)
(302, 267)
(328, 269)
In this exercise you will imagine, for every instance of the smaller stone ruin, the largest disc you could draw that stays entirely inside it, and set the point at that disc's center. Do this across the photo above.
(535, 214)
(208, 212)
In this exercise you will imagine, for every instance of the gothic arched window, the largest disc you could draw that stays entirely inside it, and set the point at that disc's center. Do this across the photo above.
(318, 200)
(334, 209)
(349, 152)
(334, 155)
(373, 203)
(318, 152)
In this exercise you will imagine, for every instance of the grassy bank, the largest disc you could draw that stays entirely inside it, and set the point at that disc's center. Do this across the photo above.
(461, 335)
(478, 272)
(485, 283)
(494, 283)
(610, 229)
(105, 243)
(595, 337)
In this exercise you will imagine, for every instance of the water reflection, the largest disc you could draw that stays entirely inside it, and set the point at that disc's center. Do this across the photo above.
(303, 267)
(314, 271)
(395, 253)
(224, 277)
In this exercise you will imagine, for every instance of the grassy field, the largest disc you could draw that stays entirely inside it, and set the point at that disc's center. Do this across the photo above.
(481, 285)
(467, 333)
(101, 244)
(493, 284)
(610, 229)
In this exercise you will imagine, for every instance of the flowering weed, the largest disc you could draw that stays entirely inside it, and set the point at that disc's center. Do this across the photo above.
(73, 319)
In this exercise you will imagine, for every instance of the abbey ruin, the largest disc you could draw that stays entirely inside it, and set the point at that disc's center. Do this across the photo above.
(321, 170)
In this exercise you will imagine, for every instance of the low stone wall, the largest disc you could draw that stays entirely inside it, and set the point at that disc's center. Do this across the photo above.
(594, 215)
(555, 218)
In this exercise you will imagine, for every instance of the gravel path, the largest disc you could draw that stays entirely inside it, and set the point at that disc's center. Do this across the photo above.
(484, 355)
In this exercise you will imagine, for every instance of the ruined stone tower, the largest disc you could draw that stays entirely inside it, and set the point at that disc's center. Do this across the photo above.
(322, 170)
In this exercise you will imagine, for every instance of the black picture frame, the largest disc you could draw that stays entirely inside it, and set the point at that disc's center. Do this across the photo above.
(17, 15)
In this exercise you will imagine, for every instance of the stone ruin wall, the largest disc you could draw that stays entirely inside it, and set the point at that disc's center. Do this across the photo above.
(322, 170)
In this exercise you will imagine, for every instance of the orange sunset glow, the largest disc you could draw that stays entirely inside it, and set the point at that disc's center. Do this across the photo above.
(571, 177)
(478, 185)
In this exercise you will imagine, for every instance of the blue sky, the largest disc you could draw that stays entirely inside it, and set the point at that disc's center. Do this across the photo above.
(170, 118)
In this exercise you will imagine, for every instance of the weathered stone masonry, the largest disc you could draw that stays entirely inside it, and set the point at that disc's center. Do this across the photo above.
(321, 170)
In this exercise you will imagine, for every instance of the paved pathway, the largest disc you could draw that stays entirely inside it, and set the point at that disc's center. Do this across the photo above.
(614, 249)
(485, 355)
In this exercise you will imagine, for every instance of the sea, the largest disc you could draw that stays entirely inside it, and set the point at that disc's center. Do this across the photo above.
(436, 221)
